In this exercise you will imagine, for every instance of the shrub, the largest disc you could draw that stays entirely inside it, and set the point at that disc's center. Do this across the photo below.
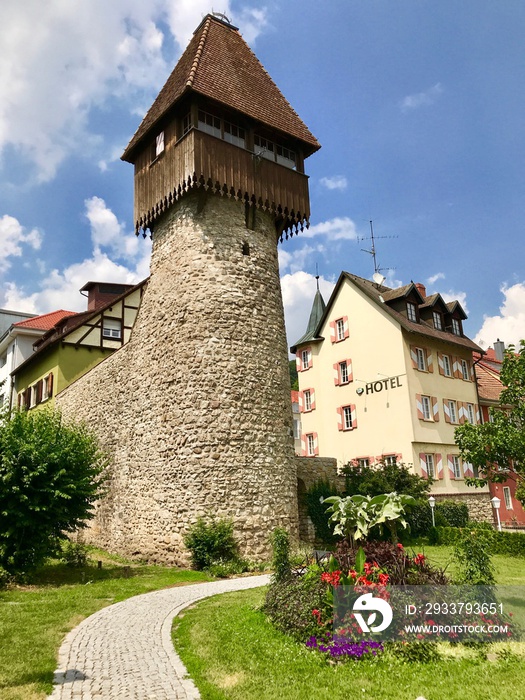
(384, 478)
(290, 603)
(281, 554)
(447, 514)
(472, 554)
(454, 514)
(74, 554)
(317, 510)
(211, 542)
(51, 473)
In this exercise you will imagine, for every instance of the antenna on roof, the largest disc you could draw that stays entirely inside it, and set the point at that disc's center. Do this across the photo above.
(221, 15)
(377, 276)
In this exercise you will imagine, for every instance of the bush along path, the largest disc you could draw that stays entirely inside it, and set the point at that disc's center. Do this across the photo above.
(125, 652)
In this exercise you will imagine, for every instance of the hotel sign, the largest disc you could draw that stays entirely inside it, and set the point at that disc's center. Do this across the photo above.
(380, 385)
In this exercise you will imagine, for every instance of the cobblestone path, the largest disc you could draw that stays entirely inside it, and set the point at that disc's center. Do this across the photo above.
(125, 652)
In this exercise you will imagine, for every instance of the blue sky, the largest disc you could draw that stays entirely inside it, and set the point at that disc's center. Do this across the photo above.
(418, 106)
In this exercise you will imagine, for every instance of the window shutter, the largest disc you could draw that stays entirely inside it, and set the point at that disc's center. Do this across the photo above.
(337, 378)
(413, 356)
(450, 462)
(419, 407)
(456, 368)
(50, 385)
(346, 327)
(316, 444)
(298, 363)
(303, 446)
(340, 418)
(446, 411)
(312, 399)
(350, 370)
(439, 466)
(423, 465)
(332, 332)
(310, 361)
(435, 408)
(441, 365)
(301, 401)
(354, 416)
(468, 470)
(430, 363)
(39, 391)
(462, 412)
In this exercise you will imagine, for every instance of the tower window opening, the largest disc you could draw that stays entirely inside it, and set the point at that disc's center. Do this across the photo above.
(245, 248)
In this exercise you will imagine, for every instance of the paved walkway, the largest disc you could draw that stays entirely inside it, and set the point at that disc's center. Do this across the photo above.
(124, 651)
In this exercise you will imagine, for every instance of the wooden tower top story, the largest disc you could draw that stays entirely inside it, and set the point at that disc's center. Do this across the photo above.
(221, 124)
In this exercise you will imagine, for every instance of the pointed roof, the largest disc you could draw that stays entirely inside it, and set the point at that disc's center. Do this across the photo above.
(44, 322)
(220, 65)
(316, 314)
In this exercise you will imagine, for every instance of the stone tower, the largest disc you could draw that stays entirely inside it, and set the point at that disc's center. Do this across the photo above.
(195, 409)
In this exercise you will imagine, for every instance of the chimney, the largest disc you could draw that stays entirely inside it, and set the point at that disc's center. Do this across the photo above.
(100, 294)
(421, 289)
(499, 350)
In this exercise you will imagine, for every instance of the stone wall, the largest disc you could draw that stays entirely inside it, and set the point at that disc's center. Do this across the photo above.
(195, 410)
(479, 505)
(310, 470)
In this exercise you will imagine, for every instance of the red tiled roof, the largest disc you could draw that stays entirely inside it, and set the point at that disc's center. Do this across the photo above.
(295, 396)
(219, 65)
(44, 322)
(489, 383)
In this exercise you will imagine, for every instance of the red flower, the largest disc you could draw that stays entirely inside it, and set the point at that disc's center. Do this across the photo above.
(399, 545)
(419, 559)
(383, 579)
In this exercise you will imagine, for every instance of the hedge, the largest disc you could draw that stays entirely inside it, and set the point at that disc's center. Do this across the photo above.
(447, 514)
(510, 543)
(317, 510)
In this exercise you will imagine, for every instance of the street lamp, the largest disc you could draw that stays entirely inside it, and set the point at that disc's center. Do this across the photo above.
(432, 504)
(496, 504)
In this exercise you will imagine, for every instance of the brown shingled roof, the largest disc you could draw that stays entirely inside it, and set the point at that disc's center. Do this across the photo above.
(220, 65)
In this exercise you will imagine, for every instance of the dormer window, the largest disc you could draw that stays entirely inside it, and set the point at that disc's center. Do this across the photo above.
(411, 311)
(456, 326)
(438, 320)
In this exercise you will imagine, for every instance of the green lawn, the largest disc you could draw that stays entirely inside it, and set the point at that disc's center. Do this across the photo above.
(233, 653)
(34, 619)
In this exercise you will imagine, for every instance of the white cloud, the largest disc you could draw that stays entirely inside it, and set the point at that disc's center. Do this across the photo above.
(338, 228)
(300, 258)
(421, 99)
(77, 56)
(13, 237)
(337, 182)
(298, 290)
(59, 289)
(509, 325)
(438, 276)
(456, 296)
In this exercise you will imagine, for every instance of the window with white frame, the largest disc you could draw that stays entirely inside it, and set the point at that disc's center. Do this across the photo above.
(347, 418)
(507, 497)
(447, 367)
(426, 407)
(112, 328)
(438, 320)
(274, 151)
(307, 395)
(296, 428)
(234, 134)
(389, 460)
(465, 370)
(456, 466)
(452, 411)
(456, 326)
(305, 359)
(411, 311)
(471, 414)
(363, 462)
(343, 372)
(340, 329)
(421, 359)
(310, 444)
(209, 124)
(431, 470)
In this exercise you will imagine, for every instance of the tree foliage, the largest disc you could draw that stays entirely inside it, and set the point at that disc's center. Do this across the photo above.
(385, 478)
(492, 446)
(51, 473)
(294, 378)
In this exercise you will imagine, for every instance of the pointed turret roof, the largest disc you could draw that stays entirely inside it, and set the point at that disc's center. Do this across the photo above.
(220, 65)
(316, 314)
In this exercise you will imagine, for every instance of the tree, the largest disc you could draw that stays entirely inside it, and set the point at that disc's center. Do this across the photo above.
(294, 378)
(385, 478)
(493, 446)
(51, 473)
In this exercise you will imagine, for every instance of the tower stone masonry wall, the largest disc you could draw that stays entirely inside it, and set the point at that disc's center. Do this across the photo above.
(195, 410)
